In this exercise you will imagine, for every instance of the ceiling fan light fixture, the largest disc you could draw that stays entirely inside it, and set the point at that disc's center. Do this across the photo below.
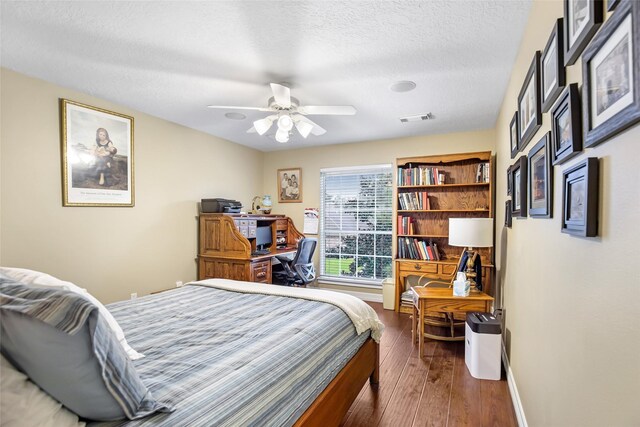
(282, 136)
(304, 128)
(263, 125)
(285, 123)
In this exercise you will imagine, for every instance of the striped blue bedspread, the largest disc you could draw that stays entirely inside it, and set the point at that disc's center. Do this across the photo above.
(230, 359)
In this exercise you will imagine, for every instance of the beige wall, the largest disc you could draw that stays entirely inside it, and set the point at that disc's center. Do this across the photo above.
(312, 159)
(572, 303)
(110, 251)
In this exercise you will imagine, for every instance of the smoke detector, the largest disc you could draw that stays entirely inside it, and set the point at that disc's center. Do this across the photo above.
(403, 86)
(418, 118)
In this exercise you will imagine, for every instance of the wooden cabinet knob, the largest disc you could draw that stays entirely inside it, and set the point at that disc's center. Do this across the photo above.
(418, 267)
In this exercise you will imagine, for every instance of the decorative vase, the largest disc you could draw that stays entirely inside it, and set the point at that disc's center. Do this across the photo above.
(266, 204)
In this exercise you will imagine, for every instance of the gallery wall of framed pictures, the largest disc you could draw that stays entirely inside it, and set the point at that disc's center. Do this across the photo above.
(580, 116)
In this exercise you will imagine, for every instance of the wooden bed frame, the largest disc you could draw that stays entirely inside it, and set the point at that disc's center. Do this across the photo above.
(332, 404)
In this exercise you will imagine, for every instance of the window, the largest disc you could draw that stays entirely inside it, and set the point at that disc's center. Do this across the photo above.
(355, 223)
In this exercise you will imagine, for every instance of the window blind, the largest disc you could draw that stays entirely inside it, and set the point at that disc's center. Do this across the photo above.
(356, 223)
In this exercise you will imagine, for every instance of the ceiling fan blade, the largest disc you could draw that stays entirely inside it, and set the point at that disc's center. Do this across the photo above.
(336, 110)
(317, 130)
(230, 107)
(252, 130)
(282, 95)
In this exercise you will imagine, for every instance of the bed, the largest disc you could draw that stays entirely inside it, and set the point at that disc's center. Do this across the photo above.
(226, 353)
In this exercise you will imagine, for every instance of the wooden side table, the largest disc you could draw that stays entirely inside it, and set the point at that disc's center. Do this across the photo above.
(441, 300)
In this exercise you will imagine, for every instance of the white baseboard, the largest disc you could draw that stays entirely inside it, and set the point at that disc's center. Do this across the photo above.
(513, 390)
(364, 296)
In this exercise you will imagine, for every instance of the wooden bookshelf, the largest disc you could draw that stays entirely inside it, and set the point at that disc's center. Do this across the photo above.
(467, 192)
(436, 186)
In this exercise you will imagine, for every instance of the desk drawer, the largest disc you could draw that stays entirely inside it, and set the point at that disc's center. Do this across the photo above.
(418, 267)
(261, 271)
(448, 269)
(455, 305)
(281, 224)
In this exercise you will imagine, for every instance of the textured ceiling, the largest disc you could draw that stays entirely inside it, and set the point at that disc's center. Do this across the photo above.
(172, 59)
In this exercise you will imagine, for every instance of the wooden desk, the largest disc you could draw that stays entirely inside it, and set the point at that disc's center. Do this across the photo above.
(227, 241)
(441, 300)
(431, 270)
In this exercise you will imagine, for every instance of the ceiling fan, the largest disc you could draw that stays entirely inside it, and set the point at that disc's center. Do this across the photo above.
(289, 113)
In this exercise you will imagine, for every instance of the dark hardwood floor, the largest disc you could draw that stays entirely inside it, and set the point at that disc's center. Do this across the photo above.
(436, 390)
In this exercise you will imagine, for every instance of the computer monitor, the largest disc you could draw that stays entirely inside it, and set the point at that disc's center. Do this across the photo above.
(263, 237)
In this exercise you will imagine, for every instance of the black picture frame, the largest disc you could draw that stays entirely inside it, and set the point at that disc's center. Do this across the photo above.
(607, 109)
(509, 181)
(566, 126)
(519, 188)
(514, 135)
(540, 179)
(611, 4)
(580, 199)
(552, 67)
(573, 46)
(508, 220)
(531, 108)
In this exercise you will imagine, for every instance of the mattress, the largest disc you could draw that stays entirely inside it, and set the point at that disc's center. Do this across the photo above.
(225, 358)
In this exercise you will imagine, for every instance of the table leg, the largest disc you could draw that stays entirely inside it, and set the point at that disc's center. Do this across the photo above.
(421, 330)
(414, 313)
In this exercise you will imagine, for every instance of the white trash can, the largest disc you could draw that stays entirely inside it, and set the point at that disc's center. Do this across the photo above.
(388, 294)
(482, 339)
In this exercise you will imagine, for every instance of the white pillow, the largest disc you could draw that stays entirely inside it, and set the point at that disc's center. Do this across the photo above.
(24, 404)
(36, 278)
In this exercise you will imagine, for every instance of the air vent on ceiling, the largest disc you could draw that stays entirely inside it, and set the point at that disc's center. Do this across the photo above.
(418, 118)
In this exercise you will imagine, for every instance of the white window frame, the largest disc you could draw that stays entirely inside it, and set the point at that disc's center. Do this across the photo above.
(345, 280)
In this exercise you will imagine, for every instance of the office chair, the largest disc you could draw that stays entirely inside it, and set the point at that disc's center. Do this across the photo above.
(299, 271)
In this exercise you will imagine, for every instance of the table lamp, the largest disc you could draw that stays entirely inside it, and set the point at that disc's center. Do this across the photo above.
(471, 233)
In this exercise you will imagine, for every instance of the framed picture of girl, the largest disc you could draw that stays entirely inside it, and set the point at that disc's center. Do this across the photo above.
(290, 185)
(97, 156)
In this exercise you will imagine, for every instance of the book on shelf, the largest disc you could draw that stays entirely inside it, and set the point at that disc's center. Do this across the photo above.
(406, 225)
(414, 201)
(483, 172)
(419, 175)
(412, 248)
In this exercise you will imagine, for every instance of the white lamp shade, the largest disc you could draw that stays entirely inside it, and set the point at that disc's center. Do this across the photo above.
(282, 135)
(263, 125)
(471, 232)
(304, 128)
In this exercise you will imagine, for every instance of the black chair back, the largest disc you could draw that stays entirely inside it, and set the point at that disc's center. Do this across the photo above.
(299, 271)
(304, 254)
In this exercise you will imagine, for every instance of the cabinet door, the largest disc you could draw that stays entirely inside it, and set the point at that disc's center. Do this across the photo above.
(234, 270)
(212, 268)
(206, 268)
